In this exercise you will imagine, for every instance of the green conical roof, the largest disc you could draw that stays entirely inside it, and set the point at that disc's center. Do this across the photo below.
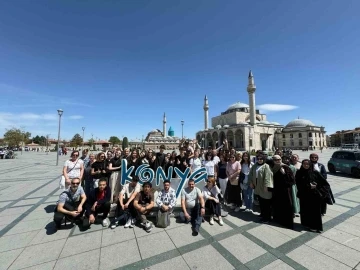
(170, 129)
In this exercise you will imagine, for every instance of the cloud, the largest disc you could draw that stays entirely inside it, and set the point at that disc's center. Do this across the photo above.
(76, 117)
(276, 107)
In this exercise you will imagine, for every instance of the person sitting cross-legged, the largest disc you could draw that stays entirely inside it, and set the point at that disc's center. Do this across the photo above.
(191, 203)
(99, 202)
(125, 204)
(166, 199)
(211, 196)
(70, 204)
(143, 203)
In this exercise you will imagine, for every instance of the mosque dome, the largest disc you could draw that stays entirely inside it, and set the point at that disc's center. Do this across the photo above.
(275, 123)
(300, 123)
(265, 123)
(171, 132)
(237, 105)
(218, 127)
(155, 131)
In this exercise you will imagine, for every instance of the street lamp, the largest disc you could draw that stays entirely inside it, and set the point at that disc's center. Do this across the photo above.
(83, 129)
(60, 112)
(182, 129)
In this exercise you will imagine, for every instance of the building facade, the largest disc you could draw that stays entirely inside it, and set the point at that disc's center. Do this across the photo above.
(351, 136)
(246, 129)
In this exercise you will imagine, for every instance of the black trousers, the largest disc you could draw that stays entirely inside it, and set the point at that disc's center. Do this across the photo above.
(131, 209)
(58, 216)
(323, 207)
(214, 208)
(265, 208)
(102, 208)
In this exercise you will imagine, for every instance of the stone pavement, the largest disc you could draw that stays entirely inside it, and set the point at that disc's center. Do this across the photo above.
(29, 189)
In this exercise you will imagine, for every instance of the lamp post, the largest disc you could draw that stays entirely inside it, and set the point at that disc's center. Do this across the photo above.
(83, 129)
(60, 112)
(182, 129)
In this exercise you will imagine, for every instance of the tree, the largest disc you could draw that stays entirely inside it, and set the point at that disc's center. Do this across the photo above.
(15, 136)
(77, 140)
(114, 140)
(39, 140)
(125, 143)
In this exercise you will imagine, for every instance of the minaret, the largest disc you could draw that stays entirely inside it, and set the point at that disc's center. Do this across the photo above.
(206, 112)
(164, 126)
(251, 88)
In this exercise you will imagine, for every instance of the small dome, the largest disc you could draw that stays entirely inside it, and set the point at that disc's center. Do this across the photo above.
(170, 129)
(218, 126)
(300, 123)
(155, 131)
(275, 123)
(226, 126)
(237, 105)
(265, 123)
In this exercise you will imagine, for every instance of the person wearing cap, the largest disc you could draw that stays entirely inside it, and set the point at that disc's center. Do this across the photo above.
(143, 203)
(282, 202)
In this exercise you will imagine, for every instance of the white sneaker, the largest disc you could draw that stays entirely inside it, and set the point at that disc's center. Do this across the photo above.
(132, 222)
(128, 223)
(247, 210)
(232, 206)
(148, 226)
(105, 222)
(114, 224)
(211, 220)
(221, 222)
(237, 209)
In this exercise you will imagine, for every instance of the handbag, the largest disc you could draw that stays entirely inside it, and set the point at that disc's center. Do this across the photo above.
(162, 219)
(62, 178)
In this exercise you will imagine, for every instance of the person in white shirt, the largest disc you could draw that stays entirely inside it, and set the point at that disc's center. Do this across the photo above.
(73, 168)
(211, 196)
(195, 162)
(166, 199)
(209, 165)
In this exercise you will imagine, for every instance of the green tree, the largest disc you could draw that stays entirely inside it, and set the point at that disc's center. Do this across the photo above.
(114, 140)
(91, 142)
(125, 143)
(39, 140)
(77, 140)
(14, 137)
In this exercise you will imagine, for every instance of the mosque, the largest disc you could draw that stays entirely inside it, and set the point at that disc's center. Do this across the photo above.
(246, 129)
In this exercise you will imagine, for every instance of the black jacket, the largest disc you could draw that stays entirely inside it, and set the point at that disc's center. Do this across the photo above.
(92, 198)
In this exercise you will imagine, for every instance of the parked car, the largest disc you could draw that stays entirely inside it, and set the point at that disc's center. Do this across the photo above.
(346, 161)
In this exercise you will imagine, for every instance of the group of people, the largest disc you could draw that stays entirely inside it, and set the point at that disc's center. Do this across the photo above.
(282, 186)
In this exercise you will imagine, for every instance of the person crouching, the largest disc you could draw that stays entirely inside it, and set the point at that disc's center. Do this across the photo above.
(143, 204)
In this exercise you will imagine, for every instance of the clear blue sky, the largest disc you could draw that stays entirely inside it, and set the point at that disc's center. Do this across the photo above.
(115, 67)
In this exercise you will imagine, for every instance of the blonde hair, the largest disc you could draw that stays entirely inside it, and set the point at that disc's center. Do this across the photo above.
(212, 181)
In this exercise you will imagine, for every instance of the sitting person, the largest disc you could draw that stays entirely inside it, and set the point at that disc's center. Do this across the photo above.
(143, 204)
(99, 202)
(191, 198)
(166, 201)
(70, 204)
(125, 204)
(211, 193)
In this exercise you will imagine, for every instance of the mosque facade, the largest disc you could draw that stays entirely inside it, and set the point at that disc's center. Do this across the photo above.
(246, 129)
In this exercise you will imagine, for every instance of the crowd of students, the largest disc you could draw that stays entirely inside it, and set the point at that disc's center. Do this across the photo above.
(281, 185)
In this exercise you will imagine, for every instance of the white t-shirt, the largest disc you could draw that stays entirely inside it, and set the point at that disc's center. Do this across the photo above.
(216, 159)
(210, 167)
(129, 190)
(191, 197)
(73, 168)
(195, 164)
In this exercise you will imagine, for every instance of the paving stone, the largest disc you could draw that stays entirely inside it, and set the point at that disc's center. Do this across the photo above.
(14, 211)
(119, 255)
(27, 226)
(16, 241)
(349, 228)
(346, 203)
(8, 257)
(8, 219)
(216, 228)
(343, 238)
(269, 236)
(49, 234)
(182, 236)
(177, 263)
(242, 248)
(93, 228)
(277, 265)
(315, 260)
(206, 258)
(43, 266)
(118, 235)
(83, 261)
(38, 254)
(139, 230)
(81, 243)
(27, 202)
(335, 250)
(154, 244)
(338, 208)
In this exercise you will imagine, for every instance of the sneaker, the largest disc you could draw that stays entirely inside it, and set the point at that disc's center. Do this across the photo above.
(114, 224)
(232, 206)
(247, 210)
(194, 231)
(221, 222)
(132, 222)
(105, 222)
(211, 220)
(128, 223)
(148, 226)
(237, 209)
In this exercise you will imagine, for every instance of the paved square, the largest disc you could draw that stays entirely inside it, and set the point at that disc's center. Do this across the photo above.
(28, 239)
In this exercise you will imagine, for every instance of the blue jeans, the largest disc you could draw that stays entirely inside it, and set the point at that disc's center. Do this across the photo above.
(248, 197)
(196, 218)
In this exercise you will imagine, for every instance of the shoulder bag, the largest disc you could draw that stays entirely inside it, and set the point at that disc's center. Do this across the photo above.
(62, 178)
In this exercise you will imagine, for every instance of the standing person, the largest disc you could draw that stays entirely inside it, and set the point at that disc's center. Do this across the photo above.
(312, 187)
(143, 203)
(233, 197)
(294, 191)
(220, 170)
(195, 162)
(98, 169)
(210, 165)
(211, 196)
(85, 157)
(261, 180)
(73, 168)
(114, 180)
(247, 191)
(193, 206)
(88, 177)
(281, 194)
(99, 202)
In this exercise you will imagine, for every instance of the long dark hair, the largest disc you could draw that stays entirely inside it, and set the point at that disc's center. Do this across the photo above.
(243, 161)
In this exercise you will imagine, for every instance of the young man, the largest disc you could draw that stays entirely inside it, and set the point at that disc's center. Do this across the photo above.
(99, 202)
(193, 206)
(70, 204)
(166, 199)
(143, 204)
(125, 204)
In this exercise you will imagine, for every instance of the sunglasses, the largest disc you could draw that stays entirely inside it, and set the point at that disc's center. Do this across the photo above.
(76, 184)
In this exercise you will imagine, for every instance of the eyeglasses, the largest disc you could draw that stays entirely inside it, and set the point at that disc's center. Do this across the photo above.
(76, 184)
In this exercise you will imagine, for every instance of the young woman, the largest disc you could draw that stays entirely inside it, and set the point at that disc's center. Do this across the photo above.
(114, 180)
(233, 169)
(247, 191)
(88, 178)
(210, 193)
(98, 169)
(220, 170)
(73, 168)
(209, 165)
